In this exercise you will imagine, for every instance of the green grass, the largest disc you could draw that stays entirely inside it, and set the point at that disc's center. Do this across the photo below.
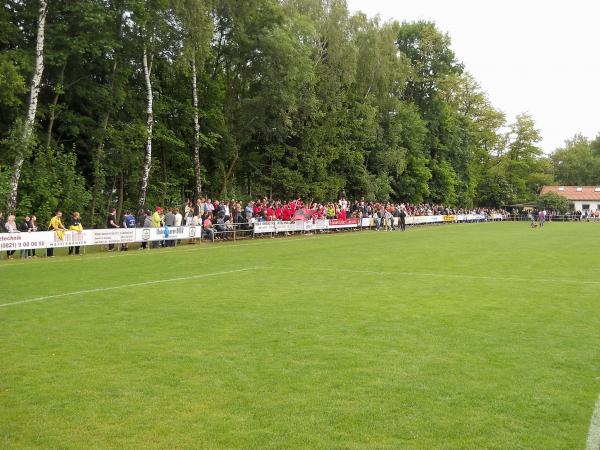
(462, 336)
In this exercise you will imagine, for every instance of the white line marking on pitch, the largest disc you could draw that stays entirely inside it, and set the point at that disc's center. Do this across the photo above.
(448, 275)
(593, 438)
(124, 286)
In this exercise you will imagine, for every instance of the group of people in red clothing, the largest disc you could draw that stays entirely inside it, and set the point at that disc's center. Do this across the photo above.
(265, 210)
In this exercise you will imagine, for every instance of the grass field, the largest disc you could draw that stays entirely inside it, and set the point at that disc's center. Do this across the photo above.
(450, 337)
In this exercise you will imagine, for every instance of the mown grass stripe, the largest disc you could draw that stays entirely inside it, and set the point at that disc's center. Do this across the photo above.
(447, 275)
(124, 286)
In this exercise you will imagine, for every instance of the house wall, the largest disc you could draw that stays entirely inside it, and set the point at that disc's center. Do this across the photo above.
(593, 205)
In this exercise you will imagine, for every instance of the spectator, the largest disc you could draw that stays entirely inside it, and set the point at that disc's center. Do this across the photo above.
(33, 229)
(24, 228)
(169, 222)
(111, 223)
(207, 227)
(220, 226)
(199, 210)
(178, 221)
(156, 223)
(208, 206)
(147, 224)
(189, 217)
(188, 206)
(75, 226)
(388, 220)
(157, 217)
(57, 226)
(249, 210)
(128, 222)
(343, 203)
(11, 227)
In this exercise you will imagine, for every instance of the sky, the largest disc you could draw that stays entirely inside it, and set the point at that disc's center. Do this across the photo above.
(540, 57)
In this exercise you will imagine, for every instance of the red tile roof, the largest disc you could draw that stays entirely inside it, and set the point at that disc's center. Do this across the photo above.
(571, 193)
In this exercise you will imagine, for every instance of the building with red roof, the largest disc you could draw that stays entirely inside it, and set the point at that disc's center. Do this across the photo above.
(583, 198)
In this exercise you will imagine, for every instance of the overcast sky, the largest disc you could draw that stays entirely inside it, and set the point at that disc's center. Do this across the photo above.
(538, 56)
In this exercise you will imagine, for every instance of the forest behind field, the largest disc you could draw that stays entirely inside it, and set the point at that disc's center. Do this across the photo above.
(131, 103)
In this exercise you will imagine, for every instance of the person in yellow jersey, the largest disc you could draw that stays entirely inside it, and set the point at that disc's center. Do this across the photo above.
(57, 226)
(156, 222)
(75, 225)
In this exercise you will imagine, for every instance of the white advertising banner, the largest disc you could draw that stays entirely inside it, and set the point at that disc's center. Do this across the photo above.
(474, 217)
(302, 225)
(51, 239)
(158, 234)
(111, 236)
(27, 241)
(285, 227)
(265, 227)
(417, 220)
(343, 223)
(322, 224)
(44, 239)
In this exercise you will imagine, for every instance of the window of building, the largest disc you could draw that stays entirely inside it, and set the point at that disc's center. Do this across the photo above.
(585, 207)
(561, 188)
(579, 189)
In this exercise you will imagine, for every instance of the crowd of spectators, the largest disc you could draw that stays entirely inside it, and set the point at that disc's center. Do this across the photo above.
(554, 215)
(218, 218)
(267, 210)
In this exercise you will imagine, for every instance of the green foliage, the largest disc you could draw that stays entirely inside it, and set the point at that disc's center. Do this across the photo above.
(12, 83)
(495, 189)
(553, 202)
(50, 182)
(578, 162)
(296, 97)
(526, 169)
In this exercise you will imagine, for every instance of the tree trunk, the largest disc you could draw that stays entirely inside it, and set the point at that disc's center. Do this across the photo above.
(120, 194)
(110, 194)
(197, 173)
(227, 175)
(11, 202)
(97, 164)
(149, 127)
(92, 210)
(57, 92)
(98, 155)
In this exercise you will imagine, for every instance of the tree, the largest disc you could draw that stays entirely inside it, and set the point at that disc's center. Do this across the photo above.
(26, 130)
(523, 161)
(576, 163)
(159, 100)
(553, 202)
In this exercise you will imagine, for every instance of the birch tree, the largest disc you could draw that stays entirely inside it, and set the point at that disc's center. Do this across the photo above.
(156, 27)
(27, 132)
(197, 30)
(147, 66)
(197, 168)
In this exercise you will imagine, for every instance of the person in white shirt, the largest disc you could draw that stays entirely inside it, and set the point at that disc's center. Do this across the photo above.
(209, 207)
(11, 227)
(178, 218)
